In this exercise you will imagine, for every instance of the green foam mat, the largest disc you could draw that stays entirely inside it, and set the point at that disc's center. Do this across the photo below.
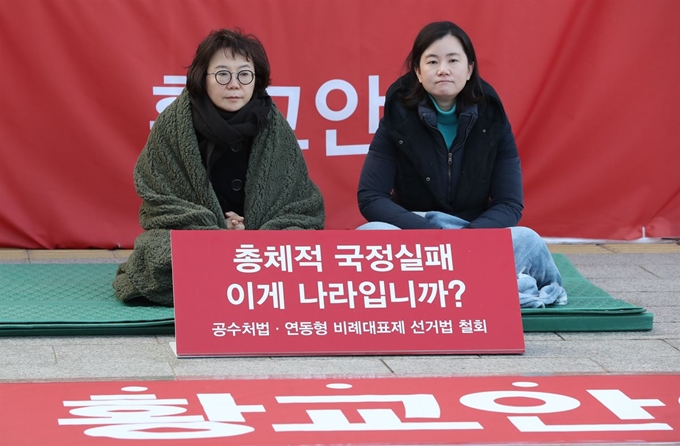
(77, 299)
(70, 299)
(589, 308)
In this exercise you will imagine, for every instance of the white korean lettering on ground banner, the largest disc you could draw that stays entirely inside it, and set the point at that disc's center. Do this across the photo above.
(334, 420)
(173, 86)
(142, 416)
(614, 400)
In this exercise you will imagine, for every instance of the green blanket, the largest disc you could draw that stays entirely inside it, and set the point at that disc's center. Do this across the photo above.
(77, 299)
(173, 185)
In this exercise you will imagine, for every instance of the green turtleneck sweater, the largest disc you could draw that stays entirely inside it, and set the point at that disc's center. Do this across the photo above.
(447, 123)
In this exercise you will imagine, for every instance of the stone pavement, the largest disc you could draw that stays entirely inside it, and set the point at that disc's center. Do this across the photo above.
(647, 275)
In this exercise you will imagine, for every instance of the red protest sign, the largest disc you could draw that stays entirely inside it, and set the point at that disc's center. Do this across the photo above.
(241, 293)
(424, 411)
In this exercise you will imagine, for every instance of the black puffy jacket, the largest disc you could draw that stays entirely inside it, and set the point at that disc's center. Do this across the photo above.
(408, 167)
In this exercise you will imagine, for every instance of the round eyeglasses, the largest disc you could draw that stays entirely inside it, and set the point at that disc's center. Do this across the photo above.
(223, 77)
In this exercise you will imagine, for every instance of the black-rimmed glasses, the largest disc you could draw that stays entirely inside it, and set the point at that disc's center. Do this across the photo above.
(223, 77)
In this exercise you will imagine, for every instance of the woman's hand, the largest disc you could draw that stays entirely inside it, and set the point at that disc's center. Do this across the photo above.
(234, 221)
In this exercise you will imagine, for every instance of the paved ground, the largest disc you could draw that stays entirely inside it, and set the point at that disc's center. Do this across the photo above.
(643, 274)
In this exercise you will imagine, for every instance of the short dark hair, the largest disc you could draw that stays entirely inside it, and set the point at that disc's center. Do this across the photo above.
(471, 93)
(247, 45)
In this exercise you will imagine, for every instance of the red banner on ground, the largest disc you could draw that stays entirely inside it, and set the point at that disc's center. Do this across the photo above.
(423, 411)
(262, 293)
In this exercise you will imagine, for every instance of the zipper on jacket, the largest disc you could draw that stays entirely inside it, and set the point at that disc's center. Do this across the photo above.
(466, 133)
(460, 146)
(448, 189)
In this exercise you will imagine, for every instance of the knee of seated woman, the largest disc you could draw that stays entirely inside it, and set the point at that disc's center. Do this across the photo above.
(524, 233)
(376, 225)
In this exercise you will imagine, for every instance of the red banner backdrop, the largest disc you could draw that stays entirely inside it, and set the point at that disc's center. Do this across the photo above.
(590, 88)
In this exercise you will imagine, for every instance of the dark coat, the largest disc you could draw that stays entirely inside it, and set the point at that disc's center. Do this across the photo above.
(408, 167)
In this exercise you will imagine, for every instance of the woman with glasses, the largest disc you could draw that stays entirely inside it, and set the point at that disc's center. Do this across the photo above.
(221, 156)
(444, 157)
